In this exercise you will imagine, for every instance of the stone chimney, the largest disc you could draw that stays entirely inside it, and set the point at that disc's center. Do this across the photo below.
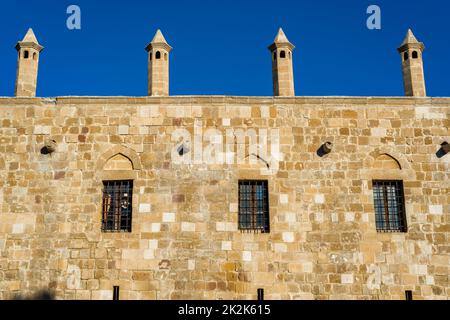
(282, 72)
(158, 65)
(412, 66)
(29, 50)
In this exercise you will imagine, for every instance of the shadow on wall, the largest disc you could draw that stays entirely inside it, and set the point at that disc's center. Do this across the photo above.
(445, 148)
(325, 149)
(40, 295)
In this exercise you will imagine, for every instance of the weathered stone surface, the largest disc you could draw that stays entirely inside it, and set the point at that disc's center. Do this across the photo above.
(185, 241)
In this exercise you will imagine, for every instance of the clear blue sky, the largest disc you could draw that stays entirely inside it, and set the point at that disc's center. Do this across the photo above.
(220, 47)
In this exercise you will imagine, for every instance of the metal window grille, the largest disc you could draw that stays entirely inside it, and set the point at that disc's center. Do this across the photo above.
(389, 202)
(254, 206)
(117, 206)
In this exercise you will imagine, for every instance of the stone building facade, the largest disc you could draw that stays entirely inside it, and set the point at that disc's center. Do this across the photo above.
(185, 239)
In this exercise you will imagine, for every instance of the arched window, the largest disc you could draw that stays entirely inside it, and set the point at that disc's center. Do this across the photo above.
(415, 55)
(158, 55)
(165, 56)
(405, 56)
(274, 56)
(26, 54)
(150, 56)
(282, 54)
(117, 171)
(34, 56)
(289, 55)
(388, 193)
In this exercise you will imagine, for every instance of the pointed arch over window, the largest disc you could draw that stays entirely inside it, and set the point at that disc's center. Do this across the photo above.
(387, 170)
(415, 55)
(118, 162)
(282, 54)
(119, 153)
(386, 161)
(158, 55)
(401, 159)
(117, 171)
(26, 54)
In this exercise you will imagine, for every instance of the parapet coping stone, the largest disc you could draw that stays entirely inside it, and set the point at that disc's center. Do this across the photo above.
(218, 99)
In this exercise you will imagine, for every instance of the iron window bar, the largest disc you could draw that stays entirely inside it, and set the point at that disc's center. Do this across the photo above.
(254, 206)
(117, 206)
(389, 203)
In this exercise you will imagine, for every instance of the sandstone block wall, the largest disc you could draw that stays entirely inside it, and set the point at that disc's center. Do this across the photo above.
(185, 242)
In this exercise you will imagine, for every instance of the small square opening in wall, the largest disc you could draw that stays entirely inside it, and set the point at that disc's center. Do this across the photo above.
(260, 294)
(408, 295)
(116, 293)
